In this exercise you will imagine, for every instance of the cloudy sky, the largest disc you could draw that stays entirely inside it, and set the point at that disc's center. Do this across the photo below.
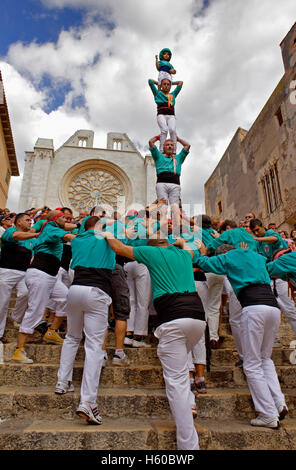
(84, 64)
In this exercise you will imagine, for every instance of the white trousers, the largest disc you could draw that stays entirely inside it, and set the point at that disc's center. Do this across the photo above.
(259, 325)
(87, 310)
(286, 304)
(40, 286)
(176, 339)
(21, 302)
(9, 278)
(235, 313)
(166, 124)
(139, 283)
(169, 191)
(215, 285)
(198, 355)
(58, 298)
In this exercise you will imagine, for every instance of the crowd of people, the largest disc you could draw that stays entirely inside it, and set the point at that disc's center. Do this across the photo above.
(141, 270)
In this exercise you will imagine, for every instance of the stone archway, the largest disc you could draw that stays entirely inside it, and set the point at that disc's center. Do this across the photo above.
(94, 182)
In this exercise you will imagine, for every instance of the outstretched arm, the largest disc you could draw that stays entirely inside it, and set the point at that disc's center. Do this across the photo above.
(24, 235)
(117, 246)
(156, 62)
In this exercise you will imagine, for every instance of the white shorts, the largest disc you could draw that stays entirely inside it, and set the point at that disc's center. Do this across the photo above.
(169, 191)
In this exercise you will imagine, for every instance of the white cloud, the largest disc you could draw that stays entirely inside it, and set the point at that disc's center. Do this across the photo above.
(229, 59)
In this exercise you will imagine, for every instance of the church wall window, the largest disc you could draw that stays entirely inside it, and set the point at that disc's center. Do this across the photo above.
(271, 189)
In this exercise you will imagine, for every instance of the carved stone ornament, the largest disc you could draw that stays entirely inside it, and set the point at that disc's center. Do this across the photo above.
(94, 182)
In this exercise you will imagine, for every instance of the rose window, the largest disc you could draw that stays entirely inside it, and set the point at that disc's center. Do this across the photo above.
(94, 187)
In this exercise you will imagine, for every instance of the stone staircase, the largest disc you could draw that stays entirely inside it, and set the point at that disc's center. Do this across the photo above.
(133, 403)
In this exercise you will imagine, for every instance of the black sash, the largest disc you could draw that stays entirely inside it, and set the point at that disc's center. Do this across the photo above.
(66, 256)
(14, 256)
(165, 109)
(257, 294)
(93, 277)
(46, 262)
(171, 307)
(168, 177)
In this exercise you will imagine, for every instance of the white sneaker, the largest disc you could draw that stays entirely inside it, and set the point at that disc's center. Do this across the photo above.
(120, 361)
(272, 423)
(90, 413)
(128, 341)
(64, 387)
(140, 344)
(282, 409)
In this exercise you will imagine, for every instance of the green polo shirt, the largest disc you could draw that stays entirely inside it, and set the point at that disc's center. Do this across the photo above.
(166, 164)
(242, 267)
(233, 237)
(7, 237)
(283, 267)
(170, 269)
(50, 240)
(267, 249)
(91, 250)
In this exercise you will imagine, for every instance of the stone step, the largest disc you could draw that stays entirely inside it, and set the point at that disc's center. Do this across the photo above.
(50, 354)
(143, 434)
(137, 376)
(219, 403)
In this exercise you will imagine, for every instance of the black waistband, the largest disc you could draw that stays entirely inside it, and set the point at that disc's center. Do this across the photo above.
(66, 256)
(168, 177)
(198, 273)
(257, 294)
(122, 260)
(46, 262)
(14, 256)
(93, 277)
(171, 307)
(163, 109)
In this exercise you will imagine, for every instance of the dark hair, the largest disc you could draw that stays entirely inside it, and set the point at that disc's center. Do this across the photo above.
(157, 242)
(254, 223)
(19, 216)
(91, 222)
(291, 234)
(63, 209)
(223, 249)
(206, 221)
(227, 223)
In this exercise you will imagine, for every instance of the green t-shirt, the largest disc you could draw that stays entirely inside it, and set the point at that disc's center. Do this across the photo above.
(233, 237)
(51, 240)
(166, 164)
(39, 224)
(267, 249)
(7, 237)
(283, 267)
(91, 250)
(242, 267)
(170, 269)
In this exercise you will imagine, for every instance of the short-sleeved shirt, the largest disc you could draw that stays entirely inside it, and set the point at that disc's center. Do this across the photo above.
(90, 250)
(233, 237)
(15, 254)
(166, 164)
(50, 240)
(170, 269)
(284, 267)
(267, 249)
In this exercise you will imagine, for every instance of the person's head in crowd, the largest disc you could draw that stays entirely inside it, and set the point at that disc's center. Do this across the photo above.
(116, 215)
(250, 216)
(293, 235)
(12, 215)
(215, 222)
(6, 211)
(5, 221)
(228, 224)
(241, 223)
(23, 222)
(257, 227)
(83, 214)
(246, 225)
(57, 217)
(284, 234)
(99, 211)
(272, 226)
(223, 249)
(93, 223)
(206, 221)
(68, 214)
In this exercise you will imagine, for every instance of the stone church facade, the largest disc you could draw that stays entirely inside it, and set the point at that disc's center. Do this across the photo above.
(79, 176)
(258, 169)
